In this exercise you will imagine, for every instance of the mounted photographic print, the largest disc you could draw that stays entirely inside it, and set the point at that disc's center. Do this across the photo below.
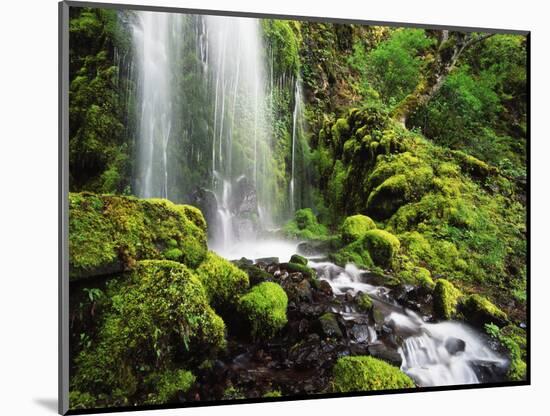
(264, 208)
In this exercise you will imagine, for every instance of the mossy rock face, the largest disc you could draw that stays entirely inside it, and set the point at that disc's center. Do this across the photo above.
(264, 308)
(159, 316)
(355, 227)
(306, 271)
(478, 310)
(446, 297)
(363, 373)
(169, 384)
(223, 282)
(328, 326)
(108, 234)
(305, 226)
(364, 302)
(382, 247)
(352, 253)
(297, 259)
(255, 274)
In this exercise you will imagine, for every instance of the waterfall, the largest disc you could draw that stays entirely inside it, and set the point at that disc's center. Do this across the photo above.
(297, 133)
(155, 37)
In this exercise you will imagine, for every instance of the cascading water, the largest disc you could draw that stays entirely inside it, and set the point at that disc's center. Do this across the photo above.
(297, 127)
(155, 38)
(241, 138)
(433, 354)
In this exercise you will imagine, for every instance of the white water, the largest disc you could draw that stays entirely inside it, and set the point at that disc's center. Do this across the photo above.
(425, 356)
(155, 36)
(259, 248)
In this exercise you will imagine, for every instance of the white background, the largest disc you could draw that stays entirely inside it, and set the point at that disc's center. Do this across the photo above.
(28, 204)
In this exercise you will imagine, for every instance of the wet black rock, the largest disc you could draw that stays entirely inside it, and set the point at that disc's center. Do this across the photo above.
(455, 345)
(380, 350)
(206, 201)
(329, 327)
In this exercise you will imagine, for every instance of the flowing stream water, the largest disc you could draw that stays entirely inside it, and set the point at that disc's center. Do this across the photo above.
(433, 354)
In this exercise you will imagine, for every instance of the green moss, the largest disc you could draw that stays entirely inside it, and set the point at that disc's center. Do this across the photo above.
(446, 297)
(352, 253)
(360, 373)
(224, 282)
(297, 259)
(355, 227)
(159, 316)
(264, 307)
(364, 302)
(305, 226)
(108, 234)
(255, 274)
(78, 400)
(308, 272)
(382, 247)
(273, 393)
(513, 339)
(415, 275)
(233, 393)
(478, 310)
(169, 384)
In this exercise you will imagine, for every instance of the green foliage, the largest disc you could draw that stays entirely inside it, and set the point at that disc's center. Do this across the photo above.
(445, 299)
(273, 393)
(284, 42)
(107, 234)
(354, 227)
(353, 253)
(478, 310)
(364, 302)
(168, 385)
(382, 247)
(305, 226)
(513, 339)
(297, 259)
(223, 282)
(361, 373)
(394, 67)
(98, 151)
(264, 307)
(159, 316)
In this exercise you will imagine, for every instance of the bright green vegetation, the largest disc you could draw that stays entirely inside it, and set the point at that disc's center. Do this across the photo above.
(264, 307)
(305, 226)
(158, 317)
(359, 373)
(355, 226)
(513, 339)
(376, 248)
(169, 384)
(480, 311)
(108, 234)
(222, 280)
(273, 393)
(297, 259)
(364, 302)
(446, 297)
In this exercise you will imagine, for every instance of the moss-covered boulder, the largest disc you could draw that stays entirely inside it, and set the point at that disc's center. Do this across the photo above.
(169, 385)
(478, 310)
(363, 373)
(255, 274)
(445, 299)
(223, 282)
(354, 227)
(329, 327)
(382, 247)
(352, 253)
(108, 234)
(364, 302)
(305, 226)
(159, 317)
(264, 308)
(297, 259)
(306, 271)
